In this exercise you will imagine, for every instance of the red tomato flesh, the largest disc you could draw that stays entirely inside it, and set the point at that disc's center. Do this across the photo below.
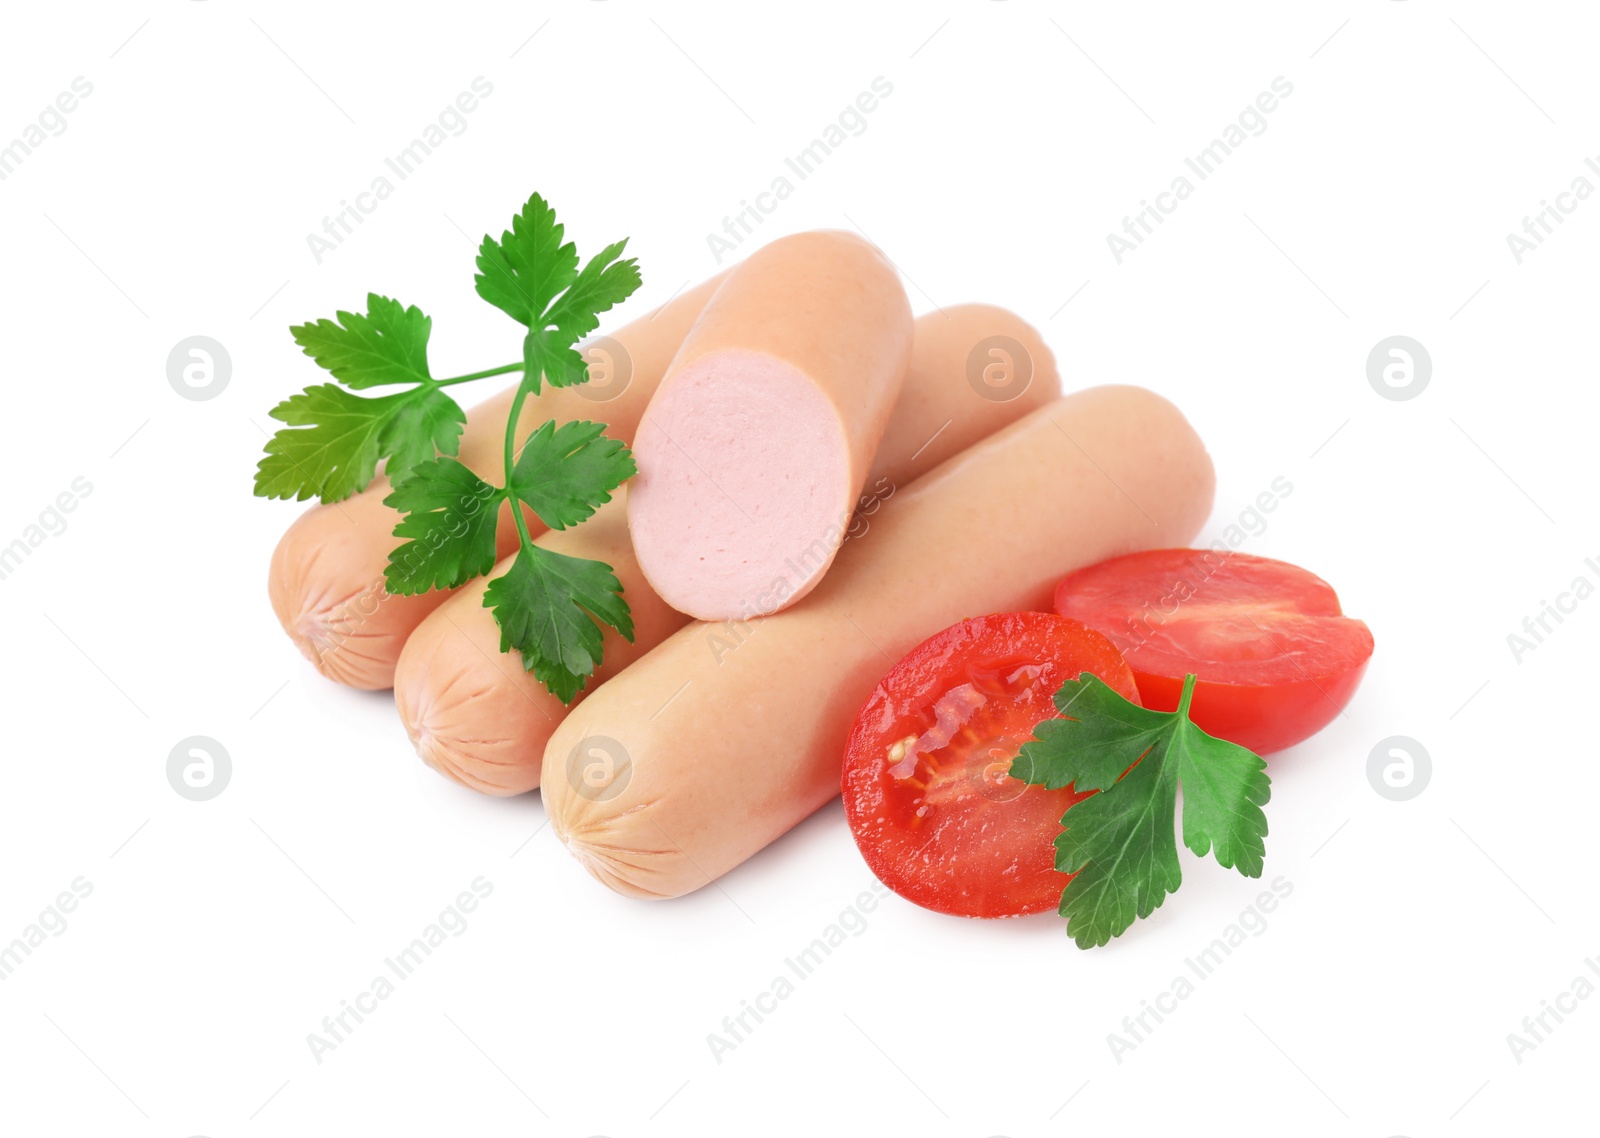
(1275, 657)
(926, 785)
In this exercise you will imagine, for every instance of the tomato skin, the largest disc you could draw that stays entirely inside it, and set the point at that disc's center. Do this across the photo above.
(940, 822)
(1276, 658)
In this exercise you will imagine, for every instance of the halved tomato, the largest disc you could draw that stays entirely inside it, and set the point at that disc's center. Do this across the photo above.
(926, 783)
(1275, 657)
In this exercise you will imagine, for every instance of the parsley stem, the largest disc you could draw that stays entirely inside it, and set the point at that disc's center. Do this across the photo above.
(511, 444)
(1188, 694)
(501, 370)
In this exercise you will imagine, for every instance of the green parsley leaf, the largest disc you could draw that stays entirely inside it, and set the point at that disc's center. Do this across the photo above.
(1120, 842)
(560, 365)
(547, 606)
(387, 345)
(565, 473)
(335, 439)
(450, 526)
(603, 283)
(525, 270)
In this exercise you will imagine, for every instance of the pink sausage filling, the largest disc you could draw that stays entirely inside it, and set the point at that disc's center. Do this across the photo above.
(743, 489)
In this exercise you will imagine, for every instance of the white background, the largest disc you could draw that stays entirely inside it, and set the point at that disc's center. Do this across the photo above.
(1018, 135)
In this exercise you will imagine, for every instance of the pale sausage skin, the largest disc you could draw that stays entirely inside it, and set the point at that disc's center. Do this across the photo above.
(725, 753)
(472, 712)
(326, 576)
(476, 716)
(763, 431)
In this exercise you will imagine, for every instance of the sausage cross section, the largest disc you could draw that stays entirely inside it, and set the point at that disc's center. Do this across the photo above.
(760, 438)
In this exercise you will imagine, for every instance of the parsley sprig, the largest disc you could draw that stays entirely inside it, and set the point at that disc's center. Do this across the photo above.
(1120, 842)
(549, 606)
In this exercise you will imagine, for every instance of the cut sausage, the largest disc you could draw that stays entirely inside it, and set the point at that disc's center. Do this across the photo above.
(475, 715)
(692, 760)
(326, 578)
(759, 440)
